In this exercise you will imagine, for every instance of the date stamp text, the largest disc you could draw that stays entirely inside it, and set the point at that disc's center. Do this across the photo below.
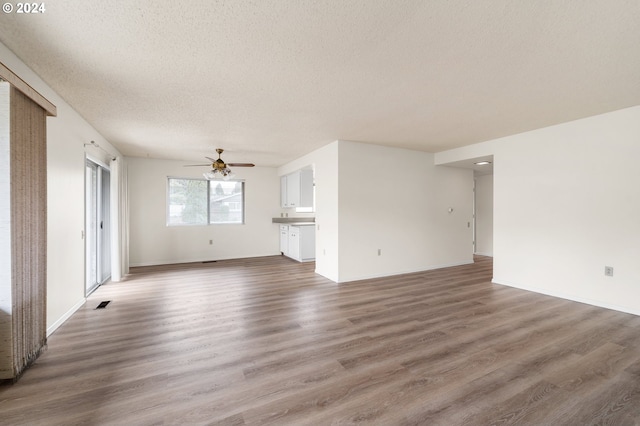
(24, 8)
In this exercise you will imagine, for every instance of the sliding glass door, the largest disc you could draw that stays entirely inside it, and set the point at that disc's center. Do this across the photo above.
(97, 225)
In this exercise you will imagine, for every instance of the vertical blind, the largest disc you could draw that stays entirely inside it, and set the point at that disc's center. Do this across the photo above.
(29, 228)
(23, 220)
(25, 339)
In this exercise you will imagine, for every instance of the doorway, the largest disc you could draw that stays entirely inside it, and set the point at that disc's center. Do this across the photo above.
(97, 225)
(483, 214)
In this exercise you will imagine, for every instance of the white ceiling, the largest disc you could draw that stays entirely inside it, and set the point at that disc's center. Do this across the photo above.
(271, 80)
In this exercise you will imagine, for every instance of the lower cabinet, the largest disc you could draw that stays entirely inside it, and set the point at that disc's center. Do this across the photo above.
(294, 242)
(284, 239)
(298, 242)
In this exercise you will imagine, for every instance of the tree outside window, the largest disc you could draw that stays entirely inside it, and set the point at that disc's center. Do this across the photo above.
(201, 202)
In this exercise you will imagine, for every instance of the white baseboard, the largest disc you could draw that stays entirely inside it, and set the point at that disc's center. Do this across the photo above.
(194, 260)
(573, 298)
(407, 271)
(484, 254)
(53, 327)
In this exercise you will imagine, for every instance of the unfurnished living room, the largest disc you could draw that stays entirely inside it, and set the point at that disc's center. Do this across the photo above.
(320, 212)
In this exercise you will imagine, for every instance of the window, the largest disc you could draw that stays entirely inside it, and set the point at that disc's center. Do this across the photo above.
(226, 199)
(201, 202)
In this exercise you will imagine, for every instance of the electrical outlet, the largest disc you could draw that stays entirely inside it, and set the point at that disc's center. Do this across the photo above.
(608, 271)
(210, 242)
(379, 252)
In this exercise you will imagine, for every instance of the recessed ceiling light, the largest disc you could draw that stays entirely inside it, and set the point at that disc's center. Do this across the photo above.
(482, 163)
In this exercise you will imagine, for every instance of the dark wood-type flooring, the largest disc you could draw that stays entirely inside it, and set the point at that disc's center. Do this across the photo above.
(266, 341)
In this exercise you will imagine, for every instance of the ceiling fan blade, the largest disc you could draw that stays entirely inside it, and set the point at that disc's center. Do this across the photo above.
(219, 163)
(196, 165)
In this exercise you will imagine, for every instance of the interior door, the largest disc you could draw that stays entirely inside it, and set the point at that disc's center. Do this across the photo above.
(97, 226)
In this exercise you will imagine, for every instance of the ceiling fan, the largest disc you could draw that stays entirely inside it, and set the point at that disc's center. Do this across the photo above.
(220, 169)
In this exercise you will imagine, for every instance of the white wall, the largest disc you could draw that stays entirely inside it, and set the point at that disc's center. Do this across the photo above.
(406, 217)
(66, 135)
(484, 215)
(152, 242)
(565, 205)
(360, 210)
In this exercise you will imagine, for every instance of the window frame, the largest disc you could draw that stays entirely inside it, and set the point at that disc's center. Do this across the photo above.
(209, 188)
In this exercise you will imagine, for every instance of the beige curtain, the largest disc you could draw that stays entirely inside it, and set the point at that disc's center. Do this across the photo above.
(29, 227)
(24, 333)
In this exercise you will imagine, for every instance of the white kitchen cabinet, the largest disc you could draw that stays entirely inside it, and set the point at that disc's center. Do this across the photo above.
(290, 190)
(300, 242)
(294, 242)
(284, 239)
(296, 189)
(284, 197)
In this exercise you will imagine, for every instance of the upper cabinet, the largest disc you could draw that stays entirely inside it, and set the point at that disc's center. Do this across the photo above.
(296, 189)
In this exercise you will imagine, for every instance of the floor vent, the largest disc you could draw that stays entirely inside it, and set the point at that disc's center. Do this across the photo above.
(209, 261)
(103, 305)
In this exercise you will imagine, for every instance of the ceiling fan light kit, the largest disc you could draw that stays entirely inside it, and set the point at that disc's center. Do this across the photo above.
(224, 174)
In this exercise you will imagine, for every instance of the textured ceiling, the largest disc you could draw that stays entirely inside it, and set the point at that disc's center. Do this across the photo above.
(271, 80)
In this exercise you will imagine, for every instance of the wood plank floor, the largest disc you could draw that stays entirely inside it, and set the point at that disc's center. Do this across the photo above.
(266, 341)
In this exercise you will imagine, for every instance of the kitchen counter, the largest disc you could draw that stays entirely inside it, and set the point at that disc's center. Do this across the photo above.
(294, 221)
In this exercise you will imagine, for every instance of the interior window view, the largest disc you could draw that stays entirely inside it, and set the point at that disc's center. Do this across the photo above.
(199, 202)
(328, 212)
